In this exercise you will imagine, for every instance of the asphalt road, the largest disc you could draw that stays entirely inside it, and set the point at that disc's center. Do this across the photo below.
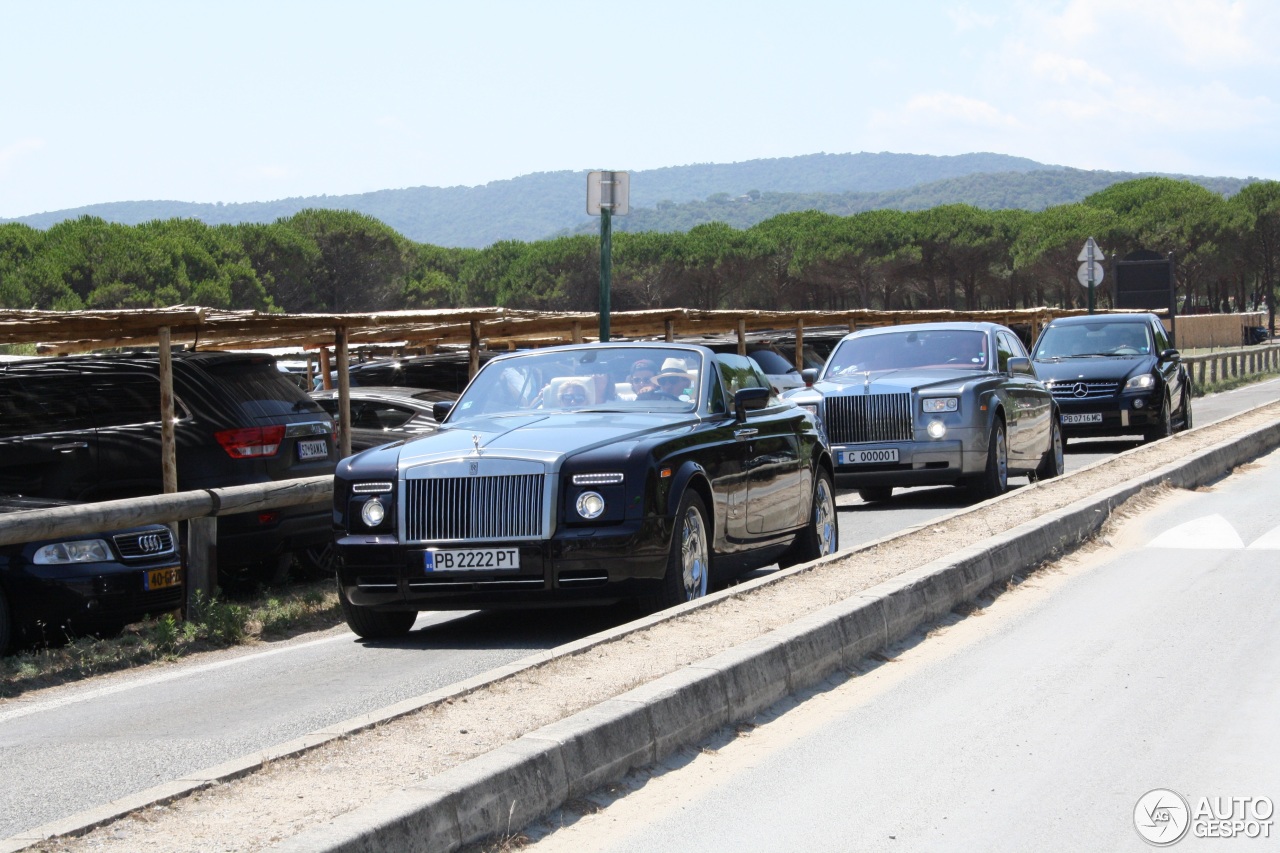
(71, 748)
(1037, 725)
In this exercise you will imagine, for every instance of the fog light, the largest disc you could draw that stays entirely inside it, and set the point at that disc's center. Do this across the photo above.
(1138, 404)
(373, 512)
(937, 429)
(590, 505)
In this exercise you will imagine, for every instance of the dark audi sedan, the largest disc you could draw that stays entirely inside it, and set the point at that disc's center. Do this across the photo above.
(1114, 374)
(53, 589)
(583, 475)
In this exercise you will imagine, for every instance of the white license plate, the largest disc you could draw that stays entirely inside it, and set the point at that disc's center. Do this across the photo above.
(472, 560)
(1090, 418)
(867, 457)
(313, 448)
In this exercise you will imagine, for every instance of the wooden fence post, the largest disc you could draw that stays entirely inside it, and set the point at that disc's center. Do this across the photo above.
(202, 559)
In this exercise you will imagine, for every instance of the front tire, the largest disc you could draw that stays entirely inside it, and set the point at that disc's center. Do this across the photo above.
(370, 624)
(822, 535)
(689, 561)
(872, 494)
(1187, 420)
(1054, 461)
(1163, 427)
(994, 481)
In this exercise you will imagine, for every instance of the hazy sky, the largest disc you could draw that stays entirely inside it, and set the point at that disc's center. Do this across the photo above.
(251, 101)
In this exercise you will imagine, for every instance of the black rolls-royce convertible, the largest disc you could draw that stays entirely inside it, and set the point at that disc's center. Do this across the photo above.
(585, 474)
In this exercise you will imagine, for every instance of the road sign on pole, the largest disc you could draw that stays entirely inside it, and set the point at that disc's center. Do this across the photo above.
(1091, 252)
(1090, 272)
(607, 194)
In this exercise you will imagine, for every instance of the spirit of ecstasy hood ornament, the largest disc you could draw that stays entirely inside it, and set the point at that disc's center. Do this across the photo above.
(475, 439)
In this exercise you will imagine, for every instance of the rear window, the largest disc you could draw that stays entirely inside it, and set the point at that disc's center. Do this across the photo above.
(260, 389)
(771, 362)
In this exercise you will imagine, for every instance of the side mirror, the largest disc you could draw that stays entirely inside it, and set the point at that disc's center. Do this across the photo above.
(1018, 365)
(440, 409)
(810, 376)
(1170, 355)
(749, 400)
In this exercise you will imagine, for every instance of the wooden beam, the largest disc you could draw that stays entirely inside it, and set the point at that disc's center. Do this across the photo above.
(326, 382)
(344, 391)
(474, 367)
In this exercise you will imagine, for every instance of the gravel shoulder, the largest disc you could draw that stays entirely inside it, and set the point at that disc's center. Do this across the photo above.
(287, 796)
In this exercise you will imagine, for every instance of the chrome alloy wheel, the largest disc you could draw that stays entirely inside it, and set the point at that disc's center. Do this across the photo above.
(824, 518)
(1002, 462)
(694, 561)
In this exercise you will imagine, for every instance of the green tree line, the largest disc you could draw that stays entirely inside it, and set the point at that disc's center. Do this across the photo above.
(951, 256)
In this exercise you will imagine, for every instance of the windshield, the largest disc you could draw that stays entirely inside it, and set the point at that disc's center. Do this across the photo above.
(1093, 340)
(589, 378)
(928, 349)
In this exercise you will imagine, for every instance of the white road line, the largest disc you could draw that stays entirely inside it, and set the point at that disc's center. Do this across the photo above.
(1269, 541)
(1213, 532)
(23, 710)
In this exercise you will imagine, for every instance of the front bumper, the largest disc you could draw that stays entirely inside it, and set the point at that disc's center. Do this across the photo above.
(576, 566)
(920, 463)
(51, 601)
(1123, 415)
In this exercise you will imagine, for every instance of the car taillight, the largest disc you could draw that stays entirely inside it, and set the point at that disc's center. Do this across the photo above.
(251, 441)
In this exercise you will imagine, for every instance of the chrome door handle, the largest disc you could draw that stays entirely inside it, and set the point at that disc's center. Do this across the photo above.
(745, 433)
(68, 447)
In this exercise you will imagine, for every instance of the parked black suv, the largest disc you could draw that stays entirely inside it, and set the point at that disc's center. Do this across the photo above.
(87, 428)
(443, 371)
(1114, 374)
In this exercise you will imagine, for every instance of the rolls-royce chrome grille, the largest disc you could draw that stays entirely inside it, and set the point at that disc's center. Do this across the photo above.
(440, 509)
(869, 417)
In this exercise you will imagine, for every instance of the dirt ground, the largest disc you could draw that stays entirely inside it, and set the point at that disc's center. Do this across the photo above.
(288, 796)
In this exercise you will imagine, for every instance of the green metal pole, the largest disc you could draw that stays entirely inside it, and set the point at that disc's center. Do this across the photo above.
(606, 270)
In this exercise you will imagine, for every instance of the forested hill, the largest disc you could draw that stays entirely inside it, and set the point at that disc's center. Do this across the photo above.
(1003, 191)
(545, 204)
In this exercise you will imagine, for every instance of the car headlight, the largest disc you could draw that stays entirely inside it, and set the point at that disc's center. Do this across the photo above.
(936, 429)
(590, 505)
(82, 551)
(933, 405)
(1140, 382)
(373, 512)
(811, 408)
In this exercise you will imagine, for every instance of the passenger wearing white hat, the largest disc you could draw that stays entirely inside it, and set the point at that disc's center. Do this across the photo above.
(673, 380)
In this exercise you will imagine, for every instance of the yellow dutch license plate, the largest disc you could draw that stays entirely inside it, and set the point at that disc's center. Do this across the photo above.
(161, 578)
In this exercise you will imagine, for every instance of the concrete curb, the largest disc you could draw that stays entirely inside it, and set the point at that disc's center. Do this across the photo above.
(501, 791)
